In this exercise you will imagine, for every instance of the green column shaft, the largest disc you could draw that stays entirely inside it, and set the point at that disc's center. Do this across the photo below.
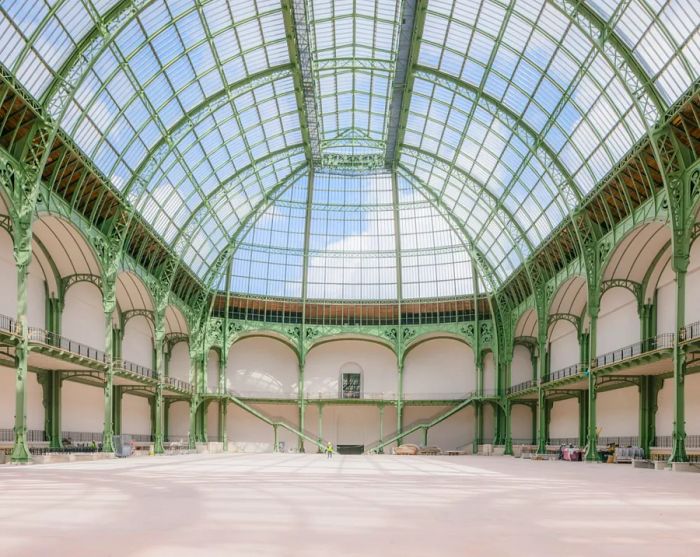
(542, 371)
(302, 409)
(399, 406)
(648, 391)
(109, 304)
(223, 404)
(117, 398)
(275, 446)
(592, 437)
(159, 422)
(192, 438)
(381, 428)
(678, 453)
(320, 426)
(582, 418)
(20, 449)
(51, 391)
(508, 433)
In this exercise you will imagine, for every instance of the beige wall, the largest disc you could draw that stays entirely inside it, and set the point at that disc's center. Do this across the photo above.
(521, 366)
(179, 365)
(564, 419)
(82, 407)
(137, 345)
(179, 419)
(664, 413)
(35, 407)
(563, 345)
(83, 315)
(618, 412)
(246, 433)
(261, 366)
(136, 415)
(213, 371)
(439, 368)
(520, 422)
(618, 321)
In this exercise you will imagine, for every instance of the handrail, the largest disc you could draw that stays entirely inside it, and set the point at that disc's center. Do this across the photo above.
(178, 384)
(269, 421)
(8, 324)
(664, 340)
(33, 435)
(690, 331)
(568, 371)
(425, 426)
(135, 368)
(62, 343)
(521, 386)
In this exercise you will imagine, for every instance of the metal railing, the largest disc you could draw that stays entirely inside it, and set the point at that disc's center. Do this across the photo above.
(264, 394)
(62, 450)
(135, 368)
(523, 441)
(530, 383)
(81, 436)
(62, 343)
(177, 439)
(666, 441)
(140, 437)
(178, 384)
(33, 436)
(664, 340)
(690, 332)
(569, 371)
(629, 441)
(8, 324)
(563, 441)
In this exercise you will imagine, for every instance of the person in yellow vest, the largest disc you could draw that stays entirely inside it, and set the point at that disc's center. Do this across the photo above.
(329, 450)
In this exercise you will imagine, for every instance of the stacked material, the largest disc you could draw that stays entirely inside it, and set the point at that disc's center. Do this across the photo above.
(407, 449)
(430, 451)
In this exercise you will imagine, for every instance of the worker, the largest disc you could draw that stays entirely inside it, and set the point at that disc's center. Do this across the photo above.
(329, 449)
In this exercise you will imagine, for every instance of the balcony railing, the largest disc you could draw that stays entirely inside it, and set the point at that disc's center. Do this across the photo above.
(563, 441)
(565, 372)
(136, 369)
(658, 342)
(691, 332)
(81, 436)
(628, 441)
(8, 324)
(178, 384)
(62, 343)
(140, 437)
(33, 436)
(666, 441)
(521, 386)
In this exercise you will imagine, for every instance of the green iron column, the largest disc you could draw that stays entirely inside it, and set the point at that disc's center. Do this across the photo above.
(302, 406)
(202, 421)
(509, 435)
(649, 387)
(22, 235)
(399, 405)
(223, 411)
(166, 420)
(592, 437)
(582, 417)
(109, 303)
(541, 401)
(678, 453)
(381, 429)
(51, 393)
(117, 399)
(192, 438)
(320, 426)
(160, 295)
(197, 365)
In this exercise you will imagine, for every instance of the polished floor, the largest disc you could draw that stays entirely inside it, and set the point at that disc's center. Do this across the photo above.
(304, 505)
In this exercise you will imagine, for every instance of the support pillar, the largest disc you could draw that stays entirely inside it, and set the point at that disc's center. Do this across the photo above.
(320, 426)
(425, 436)
(160, 295)
(399, 406)
(159, 422)
(381, 428)
(276, 445)
(109, 304)
(678, 453)
(223, 411)
(592, 437)
(51, 382)
(117, 399)
(508, 425)
(192, 437)
(202, 422)
(649, 387)
(582, 417)
(302, 408)
(479, 416)
(22, 232)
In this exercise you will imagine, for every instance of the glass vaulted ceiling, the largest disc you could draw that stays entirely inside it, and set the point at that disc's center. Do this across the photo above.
(224, 123)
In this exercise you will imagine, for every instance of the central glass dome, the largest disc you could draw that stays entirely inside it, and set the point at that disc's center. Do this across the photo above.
(352, 235)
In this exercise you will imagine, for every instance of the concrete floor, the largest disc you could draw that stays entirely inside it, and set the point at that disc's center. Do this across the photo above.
(304, 505)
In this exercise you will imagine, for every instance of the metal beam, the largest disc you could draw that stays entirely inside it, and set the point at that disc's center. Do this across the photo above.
(299, 43)
(412, 22)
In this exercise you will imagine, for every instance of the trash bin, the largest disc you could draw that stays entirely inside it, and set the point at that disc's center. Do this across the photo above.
(122, 445)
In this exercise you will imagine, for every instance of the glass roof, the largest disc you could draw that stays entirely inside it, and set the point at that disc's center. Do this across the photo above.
(231, 124)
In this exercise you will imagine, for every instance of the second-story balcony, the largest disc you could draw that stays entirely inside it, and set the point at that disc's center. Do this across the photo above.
(63, 352)
(646, 357)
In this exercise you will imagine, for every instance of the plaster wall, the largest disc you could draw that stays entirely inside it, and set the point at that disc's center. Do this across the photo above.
(489, 423)
(564, 347)
(83, 315)
(664, 413)
(213, 420)
(36, 296)
(137, 344)
(666, 302)
(692, 285)
(136, 415)
(618, 321)
(179, 419)
(490, 374)
(212, 371)
(82, 407)
(455, 432)
(439, 368)
(246, 433)
(325, 362)
(618, 412)
(521, 366)
(35, 407)
(179, 365)
(564, 419)
(8, 276)
(259, 366)
(521, 422)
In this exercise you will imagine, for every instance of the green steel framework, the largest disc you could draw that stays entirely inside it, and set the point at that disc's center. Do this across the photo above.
(26, 156)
